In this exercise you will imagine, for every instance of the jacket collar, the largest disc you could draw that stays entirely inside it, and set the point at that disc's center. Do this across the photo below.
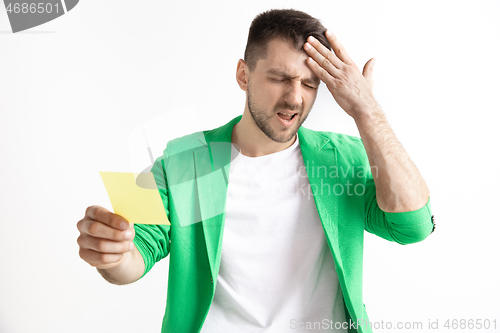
(307, 137)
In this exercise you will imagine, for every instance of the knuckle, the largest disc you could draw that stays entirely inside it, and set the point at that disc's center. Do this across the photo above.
(81, 253)
(101, 246)
(79, 241)
(79, 225)
(107, 258)
(323, 74)
(90, 211)
(118, 235)
(84, 255)
(103, 258)
(93, 228)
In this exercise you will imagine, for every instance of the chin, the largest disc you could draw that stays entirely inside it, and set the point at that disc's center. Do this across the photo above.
(283, 136)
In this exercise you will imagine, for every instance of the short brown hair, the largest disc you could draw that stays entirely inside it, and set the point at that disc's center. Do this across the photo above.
(288, 24)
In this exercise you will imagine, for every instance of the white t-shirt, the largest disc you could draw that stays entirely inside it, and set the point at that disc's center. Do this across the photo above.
(277, 273)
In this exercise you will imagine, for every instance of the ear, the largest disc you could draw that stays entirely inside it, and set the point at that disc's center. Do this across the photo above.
(242, 74)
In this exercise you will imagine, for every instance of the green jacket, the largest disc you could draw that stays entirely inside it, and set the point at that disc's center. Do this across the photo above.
(192, 178)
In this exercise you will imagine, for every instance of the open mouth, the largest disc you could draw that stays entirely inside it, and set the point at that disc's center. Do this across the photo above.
(287, 117)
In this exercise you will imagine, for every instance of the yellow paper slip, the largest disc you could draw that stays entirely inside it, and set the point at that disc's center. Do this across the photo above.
(137, 204)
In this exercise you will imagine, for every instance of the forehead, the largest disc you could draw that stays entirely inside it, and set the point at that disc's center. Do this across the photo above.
(282, 56)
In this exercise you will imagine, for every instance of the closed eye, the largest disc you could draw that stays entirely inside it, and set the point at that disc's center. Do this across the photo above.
(309, 86)
(305, 84)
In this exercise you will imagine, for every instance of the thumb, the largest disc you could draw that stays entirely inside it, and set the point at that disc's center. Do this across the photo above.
(368, 72)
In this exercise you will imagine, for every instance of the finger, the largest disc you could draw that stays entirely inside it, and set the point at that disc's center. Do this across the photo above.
(100, 230)
(338, 48)
(103, 245)
(368, 68)
(100, 260)
(368, 72)
(322, 62)
(103, 215)
(320, 72)
(318, 51)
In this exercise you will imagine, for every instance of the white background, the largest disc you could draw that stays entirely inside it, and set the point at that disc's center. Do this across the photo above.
(73, 91)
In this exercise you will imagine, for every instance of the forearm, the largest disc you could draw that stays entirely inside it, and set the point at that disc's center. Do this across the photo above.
(399, 185)
(130, 269)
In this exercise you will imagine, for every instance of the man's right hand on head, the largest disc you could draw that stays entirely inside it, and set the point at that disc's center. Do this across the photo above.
(104, 238)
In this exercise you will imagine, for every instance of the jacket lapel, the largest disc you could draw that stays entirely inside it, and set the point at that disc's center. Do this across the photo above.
(320, 159)
(212, 176)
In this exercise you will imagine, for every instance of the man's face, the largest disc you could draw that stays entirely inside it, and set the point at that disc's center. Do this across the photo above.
(281, 91)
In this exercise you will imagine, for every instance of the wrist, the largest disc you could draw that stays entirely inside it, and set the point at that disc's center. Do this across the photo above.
(369, 116)
(127, 270)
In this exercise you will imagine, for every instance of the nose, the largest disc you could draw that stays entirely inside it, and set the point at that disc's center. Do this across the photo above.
(294, 94)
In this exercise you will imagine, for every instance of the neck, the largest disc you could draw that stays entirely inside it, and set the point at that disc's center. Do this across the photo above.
(252, 141)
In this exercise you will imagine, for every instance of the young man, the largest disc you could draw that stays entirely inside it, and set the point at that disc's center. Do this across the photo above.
(267, 218)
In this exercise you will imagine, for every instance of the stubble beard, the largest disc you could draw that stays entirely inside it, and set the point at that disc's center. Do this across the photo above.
(263, 121)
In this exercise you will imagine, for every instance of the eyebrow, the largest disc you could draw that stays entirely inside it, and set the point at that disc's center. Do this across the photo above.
(311, 80)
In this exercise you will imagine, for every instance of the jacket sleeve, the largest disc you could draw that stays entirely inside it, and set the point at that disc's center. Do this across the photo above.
(403, 228)
(153, 241)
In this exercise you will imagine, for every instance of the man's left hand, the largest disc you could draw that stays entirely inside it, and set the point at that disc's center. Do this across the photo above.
(351, 89)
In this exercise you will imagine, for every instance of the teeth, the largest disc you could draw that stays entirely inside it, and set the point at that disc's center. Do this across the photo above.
(287, 114)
